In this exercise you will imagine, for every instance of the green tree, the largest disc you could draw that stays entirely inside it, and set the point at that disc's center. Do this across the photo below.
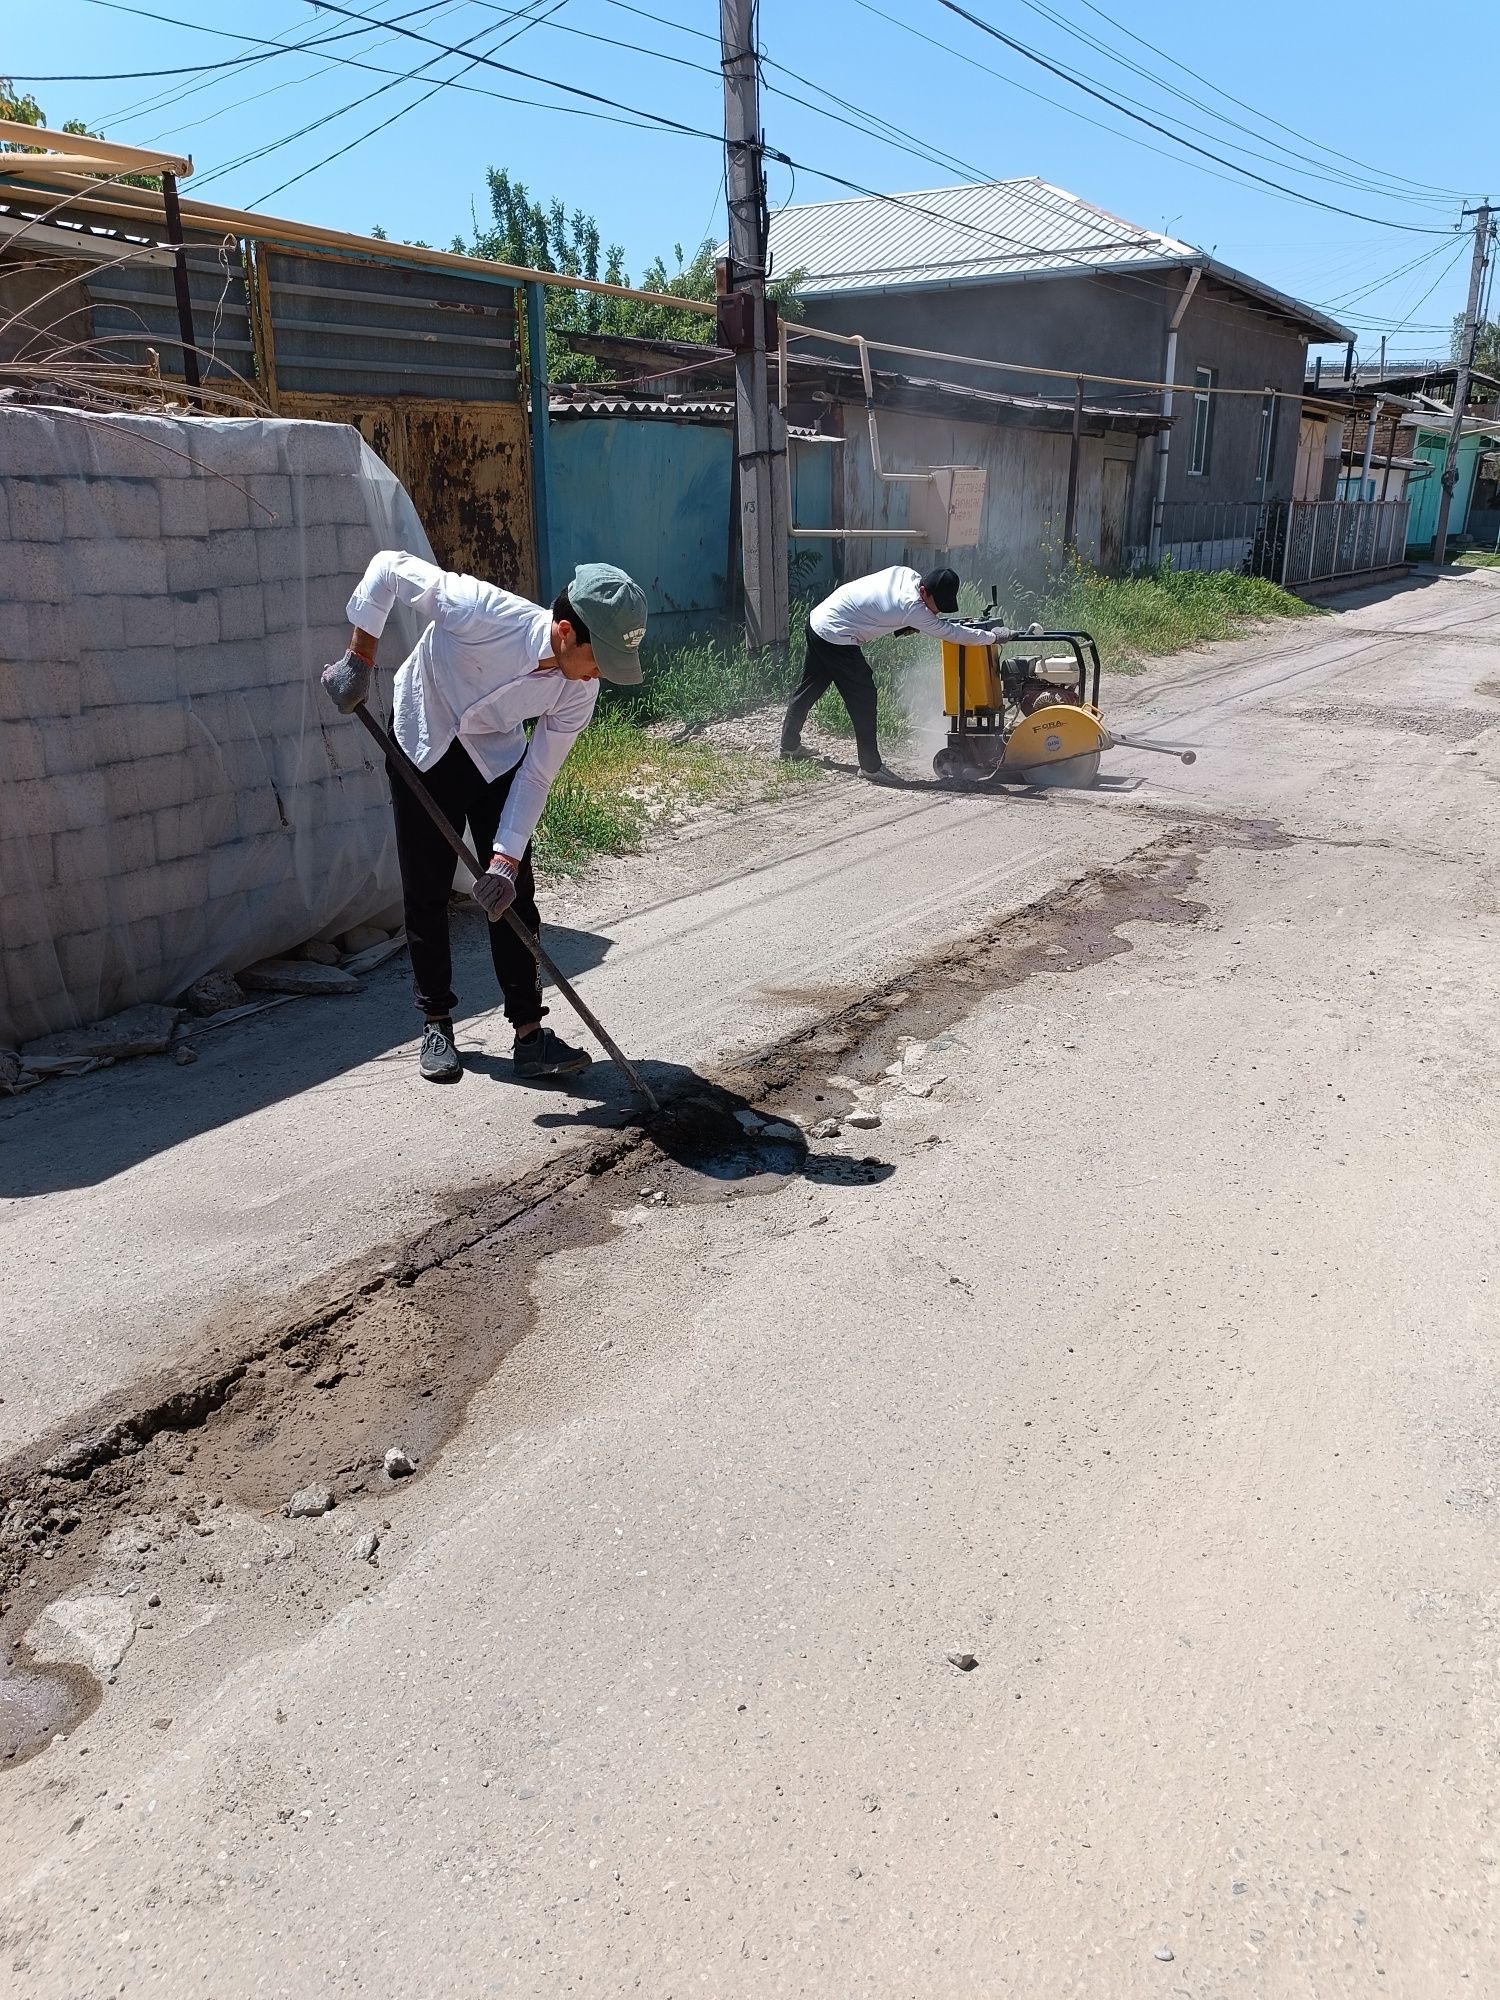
(1486, 346)
(22, 109)
(544, 237)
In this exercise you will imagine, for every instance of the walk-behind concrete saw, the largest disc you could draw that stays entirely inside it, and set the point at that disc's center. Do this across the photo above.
(1033, 717)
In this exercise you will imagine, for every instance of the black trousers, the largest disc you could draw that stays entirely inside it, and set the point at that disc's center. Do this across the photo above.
(426, 859)
(847, 669)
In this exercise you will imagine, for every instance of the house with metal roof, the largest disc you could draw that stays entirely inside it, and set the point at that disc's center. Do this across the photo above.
(1026, 273)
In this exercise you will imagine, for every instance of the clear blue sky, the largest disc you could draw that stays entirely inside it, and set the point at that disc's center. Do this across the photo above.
(1335, 81)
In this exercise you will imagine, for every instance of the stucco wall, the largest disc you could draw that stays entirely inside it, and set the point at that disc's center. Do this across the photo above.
(176, 795)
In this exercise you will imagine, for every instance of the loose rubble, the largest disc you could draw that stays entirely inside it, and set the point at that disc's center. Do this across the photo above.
(310, 1501)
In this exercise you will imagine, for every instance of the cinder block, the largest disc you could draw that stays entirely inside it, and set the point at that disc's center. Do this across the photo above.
(67, 745)
(33, 980)
(325, 449)
(320, 554)
(81, 854)
(166, 781)
(129, 677)
(184, 508)
(241, 613)
(285, 604)
(181, 885)
(243, 866)
(195, 619)
(119, 567)
(25, 864)
(28, 444)
(95, 509)
(83, 956)
(328, 600)
(150, 621)
(257, 810)
(15, 642)
(88, 622)
(21, 752)
(132, 843)
(356, 547)
(227, 505)
(34, 573)
(228, 668)
(281, 553)
(155, 730)
(53, 687)
(220, 819)
(122, 789)
(146, 944)
(56, 805)
(179, 830)
(23, 919)
(273, 491)
(36, 510)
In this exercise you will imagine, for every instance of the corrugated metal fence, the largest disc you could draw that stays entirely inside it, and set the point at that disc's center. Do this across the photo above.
(1292, 542)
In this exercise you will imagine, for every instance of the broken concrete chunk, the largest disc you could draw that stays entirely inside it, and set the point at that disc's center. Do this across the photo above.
(139, 1031)
(318, 951)
(862, 1121)
(294, 975)
(92, 1632)
(399, 1464)
(826, 1128)
(965, 1662)
(365, 1547)
(778, 1129)
(10, 1069)
(310, 1501)
(186, 1054)
(363, 937)
(214, 993)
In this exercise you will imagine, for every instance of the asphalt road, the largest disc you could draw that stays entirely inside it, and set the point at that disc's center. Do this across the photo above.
(1152, 1365)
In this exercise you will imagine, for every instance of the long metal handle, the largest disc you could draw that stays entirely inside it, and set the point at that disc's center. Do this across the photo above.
(1161, 749)
(465, 853)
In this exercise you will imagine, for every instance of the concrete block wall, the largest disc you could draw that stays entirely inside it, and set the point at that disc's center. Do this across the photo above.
(176, 796)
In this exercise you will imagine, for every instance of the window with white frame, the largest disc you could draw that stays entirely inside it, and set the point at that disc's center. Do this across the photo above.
(1266, 451)
(1203, 420)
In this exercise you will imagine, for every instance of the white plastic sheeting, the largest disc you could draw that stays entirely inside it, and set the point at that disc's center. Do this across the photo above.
(176, 794)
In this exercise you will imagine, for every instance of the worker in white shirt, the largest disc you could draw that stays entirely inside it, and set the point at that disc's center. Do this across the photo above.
(486, 664)
(892, 601)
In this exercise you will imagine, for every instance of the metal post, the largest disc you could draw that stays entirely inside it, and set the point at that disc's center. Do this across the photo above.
(536, 369)
(763, 537)
(1164, 436)
(1070, 512)
(180, 281)
(1461, 381)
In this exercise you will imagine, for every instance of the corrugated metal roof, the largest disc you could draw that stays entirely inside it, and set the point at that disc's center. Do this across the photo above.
(956, 235)
(983, 233)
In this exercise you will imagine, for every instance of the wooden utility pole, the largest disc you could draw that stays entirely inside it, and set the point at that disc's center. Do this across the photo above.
(759, 428)
(1461, 381)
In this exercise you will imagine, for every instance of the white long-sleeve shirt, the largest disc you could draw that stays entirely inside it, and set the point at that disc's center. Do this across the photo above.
(473, 676)
(871, 607)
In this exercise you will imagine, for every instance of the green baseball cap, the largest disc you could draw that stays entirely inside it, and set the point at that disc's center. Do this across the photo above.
(613, 607)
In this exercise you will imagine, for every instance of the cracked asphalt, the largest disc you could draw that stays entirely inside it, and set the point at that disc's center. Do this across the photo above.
(1154, 1369)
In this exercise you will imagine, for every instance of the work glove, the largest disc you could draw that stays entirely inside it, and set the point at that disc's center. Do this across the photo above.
(348, 682)
(495, 890)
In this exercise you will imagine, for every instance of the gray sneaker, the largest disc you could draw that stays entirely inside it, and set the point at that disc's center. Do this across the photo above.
(546, 1054)
(440, 1061)
(881, 775)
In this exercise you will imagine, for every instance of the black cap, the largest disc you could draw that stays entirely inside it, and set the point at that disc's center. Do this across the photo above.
(941, 586)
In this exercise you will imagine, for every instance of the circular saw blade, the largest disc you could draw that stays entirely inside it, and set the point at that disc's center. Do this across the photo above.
(1074, 771)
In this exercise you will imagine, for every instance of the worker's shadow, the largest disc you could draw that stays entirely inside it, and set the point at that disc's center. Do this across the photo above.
(713, 1133)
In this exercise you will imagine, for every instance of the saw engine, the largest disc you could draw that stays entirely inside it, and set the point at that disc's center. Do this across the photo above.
(1033, 717)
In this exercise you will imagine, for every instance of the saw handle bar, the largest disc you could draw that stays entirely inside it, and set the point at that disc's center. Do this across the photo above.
(399, 761)
(1161, 749)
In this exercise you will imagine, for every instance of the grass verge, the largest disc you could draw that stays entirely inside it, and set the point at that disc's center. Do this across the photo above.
(620, 781)
(629, 771)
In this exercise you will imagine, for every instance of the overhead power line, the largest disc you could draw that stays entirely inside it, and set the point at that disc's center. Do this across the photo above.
(1397, 187)
(1166, 132)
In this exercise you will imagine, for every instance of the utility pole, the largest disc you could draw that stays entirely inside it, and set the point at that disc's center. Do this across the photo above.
(1461, 381)
(759, 429)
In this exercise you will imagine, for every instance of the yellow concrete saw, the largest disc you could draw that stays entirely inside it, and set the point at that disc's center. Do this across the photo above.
(1032, 717)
